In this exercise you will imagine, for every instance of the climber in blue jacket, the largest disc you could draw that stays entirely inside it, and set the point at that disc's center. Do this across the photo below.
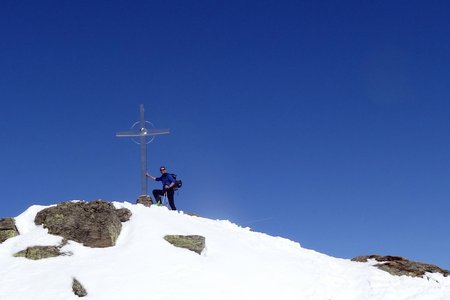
(168, 183)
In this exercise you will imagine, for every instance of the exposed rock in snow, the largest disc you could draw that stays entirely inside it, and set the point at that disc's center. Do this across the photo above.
(39, 252)
(124, 214)
(94, 224)
(78, 289)
(194, 243)
(145, 200)
(7, 229)
(397, 265)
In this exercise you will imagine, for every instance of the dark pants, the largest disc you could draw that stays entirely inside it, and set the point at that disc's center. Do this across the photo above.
(170, 192)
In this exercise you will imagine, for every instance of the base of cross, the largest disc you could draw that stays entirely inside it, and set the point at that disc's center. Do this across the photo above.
(145, 200)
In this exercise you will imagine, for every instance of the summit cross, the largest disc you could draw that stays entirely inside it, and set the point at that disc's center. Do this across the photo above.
(142, 136)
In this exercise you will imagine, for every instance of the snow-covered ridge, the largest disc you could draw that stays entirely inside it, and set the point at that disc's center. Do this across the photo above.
(236, 264)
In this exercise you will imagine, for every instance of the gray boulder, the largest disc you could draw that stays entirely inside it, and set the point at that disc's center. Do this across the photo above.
(399, 266)
(8, 229)
(194, 243)
(94, 224)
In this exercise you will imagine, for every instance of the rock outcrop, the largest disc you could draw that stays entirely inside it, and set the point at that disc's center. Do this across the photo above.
(194, 243)
(78, 289)
(94, 224)
(8, 229)
(399, 266)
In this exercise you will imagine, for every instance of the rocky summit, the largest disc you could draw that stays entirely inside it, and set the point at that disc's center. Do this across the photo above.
(94, 224)
(165, 254)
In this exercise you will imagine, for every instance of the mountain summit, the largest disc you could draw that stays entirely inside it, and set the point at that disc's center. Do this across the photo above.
(162, 254)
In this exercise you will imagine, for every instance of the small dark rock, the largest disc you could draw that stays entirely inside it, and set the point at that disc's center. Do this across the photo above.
(78, 289)
(8, 229)
(194, 243)
(145, 200)
(94, 224)
(397, 265)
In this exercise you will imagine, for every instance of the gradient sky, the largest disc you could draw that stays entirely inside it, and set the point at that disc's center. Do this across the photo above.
(325, 122)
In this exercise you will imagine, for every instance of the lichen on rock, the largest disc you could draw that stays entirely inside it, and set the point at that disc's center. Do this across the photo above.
(94, 224)
(7, 234)
(8, 229)
(41, 252)
(194, 243)
(399, 266)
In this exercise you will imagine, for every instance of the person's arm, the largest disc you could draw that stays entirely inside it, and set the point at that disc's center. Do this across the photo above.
(150, 176)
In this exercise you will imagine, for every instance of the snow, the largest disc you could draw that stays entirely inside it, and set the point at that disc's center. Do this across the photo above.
(236, 264)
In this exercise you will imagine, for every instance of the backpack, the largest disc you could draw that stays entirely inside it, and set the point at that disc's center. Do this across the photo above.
(178, 182)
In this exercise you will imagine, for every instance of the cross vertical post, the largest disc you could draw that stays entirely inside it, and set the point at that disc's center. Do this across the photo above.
(143, 142)
(145, 136)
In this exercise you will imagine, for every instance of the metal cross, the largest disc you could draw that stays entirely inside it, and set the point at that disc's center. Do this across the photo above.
(143, 134)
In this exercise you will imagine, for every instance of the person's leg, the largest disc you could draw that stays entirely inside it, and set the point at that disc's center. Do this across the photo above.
(157, 195)
(170, 196)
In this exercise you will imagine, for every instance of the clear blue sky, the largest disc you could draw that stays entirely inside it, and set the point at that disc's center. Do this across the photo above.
(326, 122)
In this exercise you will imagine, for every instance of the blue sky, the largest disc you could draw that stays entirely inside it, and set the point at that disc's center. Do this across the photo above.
(326, 123)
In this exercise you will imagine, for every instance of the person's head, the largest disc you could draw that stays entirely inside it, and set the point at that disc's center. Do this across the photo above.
(163, 170)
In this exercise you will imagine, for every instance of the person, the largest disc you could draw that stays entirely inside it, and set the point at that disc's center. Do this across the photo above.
(168, 183)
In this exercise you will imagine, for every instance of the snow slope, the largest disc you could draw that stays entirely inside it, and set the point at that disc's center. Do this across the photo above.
(236, 264)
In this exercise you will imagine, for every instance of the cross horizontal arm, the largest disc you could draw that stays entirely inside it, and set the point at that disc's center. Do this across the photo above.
(158, 131)
(145, 132)
(128, 134)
